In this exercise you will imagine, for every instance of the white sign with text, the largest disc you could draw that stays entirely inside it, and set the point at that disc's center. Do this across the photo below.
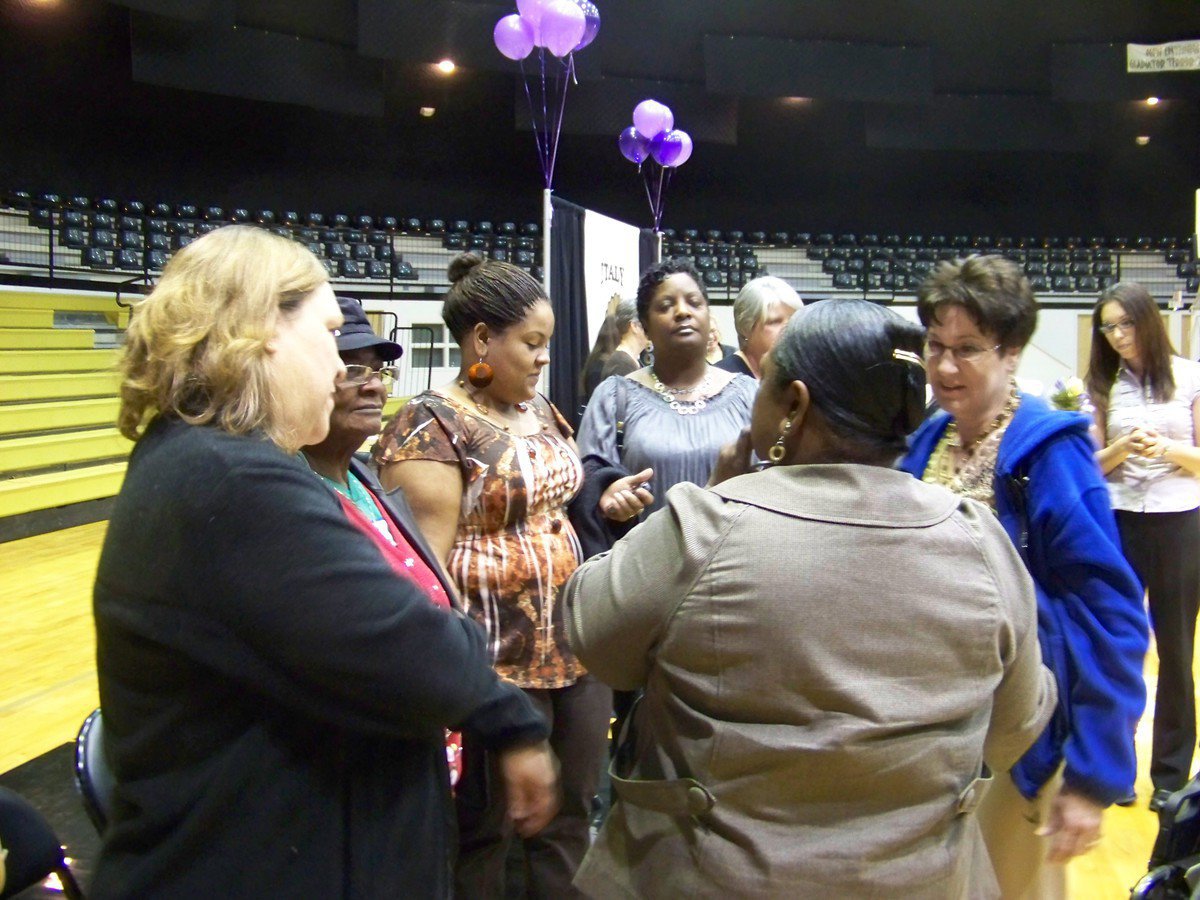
(1177, 56)
(610, 266)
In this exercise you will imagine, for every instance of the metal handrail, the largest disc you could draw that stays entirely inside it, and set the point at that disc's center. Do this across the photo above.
(134, 280)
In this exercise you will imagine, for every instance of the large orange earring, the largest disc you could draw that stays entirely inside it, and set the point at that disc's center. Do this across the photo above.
(480, 375)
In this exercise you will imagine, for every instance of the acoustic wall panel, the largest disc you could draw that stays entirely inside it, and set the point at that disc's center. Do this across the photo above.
(256, 65)
(184, 10)
(774, 67)
(425, 31)
(980, 123)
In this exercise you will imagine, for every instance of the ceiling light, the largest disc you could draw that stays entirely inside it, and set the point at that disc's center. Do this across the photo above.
(797, 101)
(1142, 140)
(446, 67)
(427, 111)
(1152, 101)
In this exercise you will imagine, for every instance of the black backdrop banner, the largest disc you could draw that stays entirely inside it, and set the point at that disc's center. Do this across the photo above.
(570, 310)
(647, 249)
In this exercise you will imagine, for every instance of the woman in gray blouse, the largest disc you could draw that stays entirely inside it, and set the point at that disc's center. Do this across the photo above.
(666, 421)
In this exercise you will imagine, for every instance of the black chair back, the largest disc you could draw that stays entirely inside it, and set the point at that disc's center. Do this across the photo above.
(93, 775)
(34, 850)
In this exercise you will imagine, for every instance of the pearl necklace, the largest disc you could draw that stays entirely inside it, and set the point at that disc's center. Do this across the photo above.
(683, 407)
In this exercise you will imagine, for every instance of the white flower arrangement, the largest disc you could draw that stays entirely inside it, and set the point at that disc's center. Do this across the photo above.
(1069, 394)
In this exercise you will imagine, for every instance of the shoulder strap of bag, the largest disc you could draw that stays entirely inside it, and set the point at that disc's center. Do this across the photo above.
(1018, 492)
(622, 387)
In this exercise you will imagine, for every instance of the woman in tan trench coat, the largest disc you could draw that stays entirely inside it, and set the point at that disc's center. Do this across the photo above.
(833, 654)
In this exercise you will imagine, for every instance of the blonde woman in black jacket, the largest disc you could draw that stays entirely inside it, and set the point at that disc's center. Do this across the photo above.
(275, 695)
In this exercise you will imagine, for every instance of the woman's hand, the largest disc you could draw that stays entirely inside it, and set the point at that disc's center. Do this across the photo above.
(1148, 443)
(1124, 444)
(1073, 826)
(733, 460)
(530, 776)
(626, 497)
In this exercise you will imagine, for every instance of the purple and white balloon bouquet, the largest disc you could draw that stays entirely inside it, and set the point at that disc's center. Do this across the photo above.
(559, 27)
(653, 137)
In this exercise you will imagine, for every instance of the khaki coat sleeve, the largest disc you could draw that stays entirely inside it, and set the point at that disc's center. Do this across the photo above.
(1026, 696)
(619, 604)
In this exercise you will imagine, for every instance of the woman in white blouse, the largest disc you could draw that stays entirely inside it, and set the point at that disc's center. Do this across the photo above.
(1147, 401)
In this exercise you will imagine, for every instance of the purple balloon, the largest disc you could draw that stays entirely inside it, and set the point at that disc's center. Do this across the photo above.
(634, 147)
(513, 37)
(666, 148)
(685, 147)
(531, 11)
(592, 16)
(652, 118)
(562, 27)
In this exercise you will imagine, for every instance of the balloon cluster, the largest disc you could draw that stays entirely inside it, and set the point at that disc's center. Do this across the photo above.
(653, 137)
(561, 27)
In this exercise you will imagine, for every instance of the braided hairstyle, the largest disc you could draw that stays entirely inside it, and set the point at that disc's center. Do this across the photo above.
(498, 294)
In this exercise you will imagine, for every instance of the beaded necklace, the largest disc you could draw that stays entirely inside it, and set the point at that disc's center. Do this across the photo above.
(974, 477)
(1002, 417)
(671, 395)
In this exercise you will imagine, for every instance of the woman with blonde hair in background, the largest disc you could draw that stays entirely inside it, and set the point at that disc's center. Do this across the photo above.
(761, 310)
(275, 694)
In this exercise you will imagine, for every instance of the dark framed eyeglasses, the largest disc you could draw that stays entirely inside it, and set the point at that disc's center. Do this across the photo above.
(1125, 326)
(969, 354)
(360, 375)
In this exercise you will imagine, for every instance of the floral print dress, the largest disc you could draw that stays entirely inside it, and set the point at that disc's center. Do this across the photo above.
(515, 548)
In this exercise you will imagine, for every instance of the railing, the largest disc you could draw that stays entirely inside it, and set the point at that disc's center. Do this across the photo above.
(57, 243)
(413, 378)
(145, 280)
(39, 241)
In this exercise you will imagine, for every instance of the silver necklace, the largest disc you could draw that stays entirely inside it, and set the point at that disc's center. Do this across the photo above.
(671, 395)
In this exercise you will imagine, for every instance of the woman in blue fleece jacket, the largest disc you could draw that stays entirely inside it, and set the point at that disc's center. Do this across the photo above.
(1035, 468)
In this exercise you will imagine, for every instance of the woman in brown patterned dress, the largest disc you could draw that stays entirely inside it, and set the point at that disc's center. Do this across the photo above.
(488, 466)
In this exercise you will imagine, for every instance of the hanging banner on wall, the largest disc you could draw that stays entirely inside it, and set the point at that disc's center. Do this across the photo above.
(610, 265)
(1176, 56)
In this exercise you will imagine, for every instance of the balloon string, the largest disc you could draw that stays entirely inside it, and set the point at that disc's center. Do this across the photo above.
(545, 121)
(646, 184)
(562, 106)
(659, 210)
(537, 138)
(662, 200)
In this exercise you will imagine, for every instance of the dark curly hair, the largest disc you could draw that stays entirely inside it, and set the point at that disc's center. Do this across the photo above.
(656, 275)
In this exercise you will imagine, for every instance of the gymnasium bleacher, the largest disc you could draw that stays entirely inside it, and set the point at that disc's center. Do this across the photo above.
(109, 240)
(105, 238)
(895, 264)
(58, 400)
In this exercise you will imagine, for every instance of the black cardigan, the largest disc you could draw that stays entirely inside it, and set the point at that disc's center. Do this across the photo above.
(274, 696)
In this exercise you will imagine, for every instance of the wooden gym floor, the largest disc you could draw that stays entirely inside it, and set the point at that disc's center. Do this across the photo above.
(48, 686)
